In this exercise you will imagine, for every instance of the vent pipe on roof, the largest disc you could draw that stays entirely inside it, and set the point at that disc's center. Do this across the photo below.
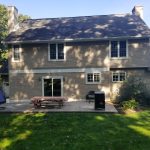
(12, 18)
(138, 10)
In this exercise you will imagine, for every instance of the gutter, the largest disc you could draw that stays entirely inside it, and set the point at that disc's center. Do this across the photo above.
(75, 40)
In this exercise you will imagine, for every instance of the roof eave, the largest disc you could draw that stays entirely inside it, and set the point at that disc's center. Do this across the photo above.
(74, 40)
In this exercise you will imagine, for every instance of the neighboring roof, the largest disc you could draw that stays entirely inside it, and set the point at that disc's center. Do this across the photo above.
(4, 67)
(86, 27)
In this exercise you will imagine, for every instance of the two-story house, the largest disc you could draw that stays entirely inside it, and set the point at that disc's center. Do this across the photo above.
(72, 55)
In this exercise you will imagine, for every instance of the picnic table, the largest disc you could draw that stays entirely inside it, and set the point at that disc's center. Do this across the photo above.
(38, 101)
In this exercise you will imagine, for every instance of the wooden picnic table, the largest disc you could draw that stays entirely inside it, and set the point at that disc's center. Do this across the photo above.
(38, 101)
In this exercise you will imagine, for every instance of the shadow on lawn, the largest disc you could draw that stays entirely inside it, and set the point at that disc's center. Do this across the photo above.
(74, 131)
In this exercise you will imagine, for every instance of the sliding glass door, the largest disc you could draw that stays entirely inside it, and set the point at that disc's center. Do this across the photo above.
(52, 86)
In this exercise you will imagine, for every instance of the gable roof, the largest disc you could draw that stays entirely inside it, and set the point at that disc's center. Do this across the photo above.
(85, 27)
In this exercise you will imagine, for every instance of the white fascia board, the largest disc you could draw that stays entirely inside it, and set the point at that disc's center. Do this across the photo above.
(73, 70)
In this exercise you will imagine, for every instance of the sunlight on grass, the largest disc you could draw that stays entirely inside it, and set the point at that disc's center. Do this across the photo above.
(24, 135)
(140, 130)
(5, 143)
(39, 115)
(18, 119)
(100, 118)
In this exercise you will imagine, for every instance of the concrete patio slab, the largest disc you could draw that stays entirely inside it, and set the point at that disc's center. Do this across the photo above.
(71, 106)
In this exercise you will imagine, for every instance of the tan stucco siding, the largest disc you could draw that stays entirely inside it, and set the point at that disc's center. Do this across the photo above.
(77, 55)
(25, 86)
(83, 54)
(138, 55)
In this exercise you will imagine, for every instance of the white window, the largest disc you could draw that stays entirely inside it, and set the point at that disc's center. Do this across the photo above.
(93, 78)
(16, 55)
(56, 52)
(118, 76)
(118, 49)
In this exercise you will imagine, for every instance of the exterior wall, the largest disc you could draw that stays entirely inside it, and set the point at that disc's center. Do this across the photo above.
(83, 54)
(78, 55)
(86, 54)
(25, 86)
(138, 55)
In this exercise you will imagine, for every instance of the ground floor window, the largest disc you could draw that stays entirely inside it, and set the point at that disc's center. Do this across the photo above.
(118, 76)
(93, 78)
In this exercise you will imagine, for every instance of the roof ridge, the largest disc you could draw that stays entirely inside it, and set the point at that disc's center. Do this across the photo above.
(79, 16)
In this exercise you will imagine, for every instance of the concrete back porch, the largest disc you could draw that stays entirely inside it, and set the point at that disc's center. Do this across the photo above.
(69, 106)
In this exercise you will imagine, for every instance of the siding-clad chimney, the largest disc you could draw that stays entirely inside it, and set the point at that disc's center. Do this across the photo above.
(12, 18)
(138, 10)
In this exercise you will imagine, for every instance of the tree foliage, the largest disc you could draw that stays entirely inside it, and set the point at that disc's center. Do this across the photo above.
(135, 88)
(3, 31)
(22, 17)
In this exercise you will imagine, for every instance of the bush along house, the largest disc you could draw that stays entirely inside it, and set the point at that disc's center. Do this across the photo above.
(72, 55)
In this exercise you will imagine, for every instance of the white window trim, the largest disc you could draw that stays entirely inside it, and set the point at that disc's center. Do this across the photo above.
(20, 51)
(119, 76)
(86, 79)
(127, 56)
(53, 77)
(57, 52)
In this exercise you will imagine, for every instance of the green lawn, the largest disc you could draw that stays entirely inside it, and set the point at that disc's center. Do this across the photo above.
(75, 131)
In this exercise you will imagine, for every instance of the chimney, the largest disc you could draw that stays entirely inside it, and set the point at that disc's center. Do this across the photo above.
(12, 18)
(138, 10)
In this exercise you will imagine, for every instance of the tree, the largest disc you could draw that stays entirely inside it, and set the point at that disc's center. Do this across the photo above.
(22, 17)
(135, 88)
(4, 32)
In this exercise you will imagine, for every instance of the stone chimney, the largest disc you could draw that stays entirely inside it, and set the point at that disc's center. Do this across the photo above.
(12, 18)
(138, 10)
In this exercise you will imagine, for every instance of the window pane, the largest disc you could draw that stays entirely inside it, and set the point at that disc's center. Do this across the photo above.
(52, 51)
(122, 51)
(96, 77)
(115, 77)
(16, 52)
(60, 51)
(122, 76)
(90, 77)
(114, 49)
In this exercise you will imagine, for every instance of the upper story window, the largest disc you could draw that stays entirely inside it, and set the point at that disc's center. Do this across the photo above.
(56, 51)
(118, 76)
(118, 49)
(92, 78)
(16, 56)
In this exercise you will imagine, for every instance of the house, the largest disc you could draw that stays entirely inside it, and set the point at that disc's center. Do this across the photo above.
(73, 55)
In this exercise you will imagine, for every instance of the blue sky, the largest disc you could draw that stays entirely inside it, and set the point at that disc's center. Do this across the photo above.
(67, 8)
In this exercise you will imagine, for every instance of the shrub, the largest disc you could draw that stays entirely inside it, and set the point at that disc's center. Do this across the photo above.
(130, 104)
(134, 88)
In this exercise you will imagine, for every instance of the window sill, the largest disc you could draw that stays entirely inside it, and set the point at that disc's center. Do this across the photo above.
(120, 58)
(117, 81)
(55, 60)
(16, 61)
(93, 83)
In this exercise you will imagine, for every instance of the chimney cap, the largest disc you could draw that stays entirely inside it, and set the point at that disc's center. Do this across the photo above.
(12, 7)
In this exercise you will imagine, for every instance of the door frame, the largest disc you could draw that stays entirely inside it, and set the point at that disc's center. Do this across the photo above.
(53, 77)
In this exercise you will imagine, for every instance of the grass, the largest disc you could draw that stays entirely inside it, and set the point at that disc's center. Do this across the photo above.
(75, 131)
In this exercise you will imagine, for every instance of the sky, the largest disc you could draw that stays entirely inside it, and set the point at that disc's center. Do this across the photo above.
(71, 8)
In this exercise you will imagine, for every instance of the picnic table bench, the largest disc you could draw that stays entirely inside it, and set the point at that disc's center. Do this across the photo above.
(38, 101)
